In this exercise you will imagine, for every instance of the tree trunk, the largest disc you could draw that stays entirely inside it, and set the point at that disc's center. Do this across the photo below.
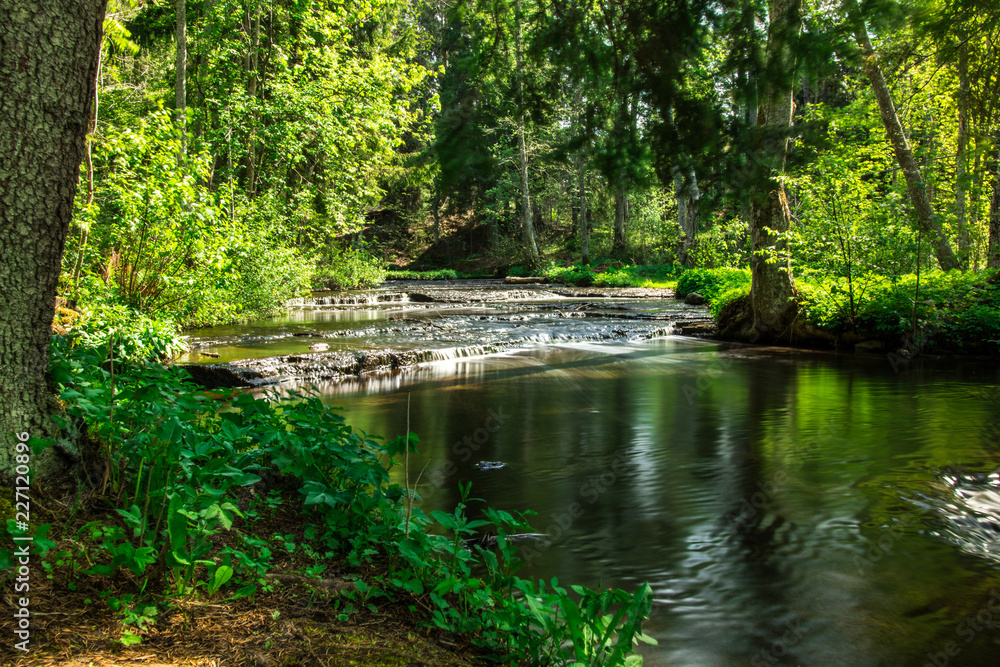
(915, 184)
(993, 254)
(687, 195)
(961, 159)
(437, 212)
(527, 228)
(581, 178)
(621, 180)
(621, 205)
(48, 66)
(974, 199)
(180, 75)
(772, 291)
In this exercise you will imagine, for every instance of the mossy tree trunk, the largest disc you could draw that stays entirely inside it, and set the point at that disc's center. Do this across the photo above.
(772, 291)
(48, 65)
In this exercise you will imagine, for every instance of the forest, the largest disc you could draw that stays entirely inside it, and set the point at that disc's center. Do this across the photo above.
(821, 174)
(240, 152)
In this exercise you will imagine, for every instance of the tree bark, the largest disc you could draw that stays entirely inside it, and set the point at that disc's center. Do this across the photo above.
(48, 66)
(772, 288)
(527, 227)
(927, 221)
(581, 175)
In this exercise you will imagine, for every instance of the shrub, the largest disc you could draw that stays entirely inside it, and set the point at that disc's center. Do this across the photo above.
(439, 274)
(710, 283)
(348, 267)
(126, 333)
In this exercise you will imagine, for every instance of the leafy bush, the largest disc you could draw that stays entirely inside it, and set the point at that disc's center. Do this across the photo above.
(259, 277)
(654, 275)
(130, 336)
(347, 267)
(956, 310)
(727, 296)
(439, 274)
(711, 283)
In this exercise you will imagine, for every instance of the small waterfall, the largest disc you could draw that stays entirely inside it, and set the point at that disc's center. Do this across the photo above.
(364, 299)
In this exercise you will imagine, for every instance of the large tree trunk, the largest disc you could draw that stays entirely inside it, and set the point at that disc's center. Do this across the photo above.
(772, 291)
(929, 223)
(527, 228)
(48, 66)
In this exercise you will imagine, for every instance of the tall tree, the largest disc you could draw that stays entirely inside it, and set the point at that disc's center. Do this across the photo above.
(993, 253)
(772, 285)
(927, 221)
(48, 67)
(527, 225)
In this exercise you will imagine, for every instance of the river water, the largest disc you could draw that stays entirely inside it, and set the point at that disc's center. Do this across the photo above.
(786, 507)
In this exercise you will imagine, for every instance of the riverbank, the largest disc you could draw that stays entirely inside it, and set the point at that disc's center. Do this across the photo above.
(230, 527)
(935, 313)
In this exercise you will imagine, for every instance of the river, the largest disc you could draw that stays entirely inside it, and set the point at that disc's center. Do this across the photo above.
(787, 507)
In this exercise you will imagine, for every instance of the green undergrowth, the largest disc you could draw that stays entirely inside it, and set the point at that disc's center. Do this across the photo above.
(179, 464)
(607, 274)
(439, 274)
(949, 312)
(955, 312)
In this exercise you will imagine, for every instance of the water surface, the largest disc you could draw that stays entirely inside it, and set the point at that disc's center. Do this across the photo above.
(787, 507)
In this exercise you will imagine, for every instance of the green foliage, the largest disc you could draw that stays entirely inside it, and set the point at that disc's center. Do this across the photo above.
(117, 330)
(439, 274)
(954, 311)
(712, 283)
(656, 275)
(348, 267)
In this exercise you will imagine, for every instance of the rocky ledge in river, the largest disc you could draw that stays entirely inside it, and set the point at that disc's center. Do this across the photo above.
(334, 365)
(322, 366)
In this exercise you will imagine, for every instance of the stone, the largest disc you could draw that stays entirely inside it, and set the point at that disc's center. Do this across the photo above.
(694, 299)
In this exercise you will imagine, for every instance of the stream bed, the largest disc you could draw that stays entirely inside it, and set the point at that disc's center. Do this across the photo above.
(787, 507)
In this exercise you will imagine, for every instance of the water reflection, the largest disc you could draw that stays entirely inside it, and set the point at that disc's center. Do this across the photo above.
(784, 512)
